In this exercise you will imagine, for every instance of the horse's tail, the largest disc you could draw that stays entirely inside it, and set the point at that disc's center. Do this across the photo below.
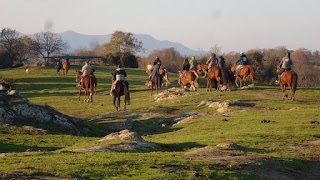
(294, 82)
(252, 73)
(196, 80)
(166, 76)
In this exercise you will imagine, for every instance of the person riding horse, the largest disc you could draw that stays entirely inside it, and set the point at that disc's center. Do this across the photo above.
(193, 63)
(212, 61)
(58, 67)
(285, 64)
(243, 60)
(185, 68)
(87, 70)
(155, 69)
(119, 75)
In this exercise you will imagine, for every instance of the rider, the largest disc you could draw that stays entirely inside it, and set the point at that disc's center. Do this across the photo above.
(58, 66)
(212, 61)
(119, 75)
(86, 70)
(193, 62)
(185, 68)
(285, 64)
(156, 67)
(243, 60)
(221, 62)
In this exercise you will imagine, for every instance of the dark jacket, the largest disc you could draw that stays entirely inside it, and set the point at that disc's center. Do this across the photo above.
(243, 60)
(185, 67)
(118, 71)
(157, 61)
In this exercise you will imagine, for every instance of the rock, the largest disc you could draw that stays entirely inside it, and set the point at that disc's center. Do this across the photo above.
(6, 116)
(32, 112)
(228, 146)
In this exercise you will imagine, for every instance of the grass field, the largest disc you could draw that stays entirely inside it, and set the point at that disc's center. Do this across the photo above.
(275, 139)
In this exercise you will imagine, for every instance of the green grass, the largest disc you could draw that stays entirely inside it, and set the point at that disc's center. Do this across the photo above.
(290, 123)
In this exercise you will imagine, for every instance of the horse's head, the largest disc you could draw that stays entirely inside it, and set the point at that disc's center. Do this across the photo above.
(278, 67)
(148, 68)
(202, 67)
(78, 76)
(233, 68)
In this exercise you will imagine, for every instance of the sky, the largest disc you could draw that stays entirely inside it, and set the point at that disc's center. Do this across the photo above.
(233, 25)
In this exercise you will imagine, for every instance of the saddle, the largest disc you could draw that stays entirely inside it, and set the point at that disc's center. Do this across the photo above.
(239, 67)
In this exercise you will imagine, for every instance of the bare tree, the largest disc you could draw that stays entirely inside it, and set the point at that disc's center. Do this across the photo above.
(47, 43)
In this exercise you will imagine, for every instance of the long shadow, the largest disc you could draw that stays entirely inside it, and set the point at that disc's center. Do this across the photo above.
(281, 168)
(9, 148)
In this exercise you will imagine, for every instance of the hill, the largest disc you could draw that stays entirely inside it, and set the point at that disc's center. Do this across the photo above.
(77, 40)
(247, 133)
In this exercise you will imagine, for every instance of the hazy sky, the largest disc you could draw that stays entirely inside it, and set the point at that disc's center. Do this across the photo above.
(234, 25)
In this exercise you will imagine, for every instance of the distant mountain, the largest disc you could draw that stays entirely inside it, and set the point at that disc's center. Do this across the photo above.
(76, 40)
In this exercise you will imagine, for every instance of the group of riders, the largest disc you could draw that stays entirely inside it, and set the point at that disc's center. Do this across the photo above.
(119, 75)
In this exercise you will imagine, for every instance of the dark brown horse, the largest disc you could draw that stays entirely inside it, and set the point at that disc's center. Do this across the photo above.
(213, 75)
(191, 78)
(288, 79)
(120, 90)
(65, 66)
(89, 84)
(226, 80)
(163, 72)
(245, 72)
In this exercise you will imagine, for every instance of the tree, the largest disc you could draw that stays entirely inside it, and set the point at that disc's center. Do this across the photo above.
(47, 43)
(24, 52)
(123, 43)
(8, 43)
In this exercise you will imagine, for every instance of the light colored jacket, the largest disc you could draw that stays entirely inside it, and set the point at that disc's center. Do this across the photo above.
(86, 70)
(286, 63)
(193, 63)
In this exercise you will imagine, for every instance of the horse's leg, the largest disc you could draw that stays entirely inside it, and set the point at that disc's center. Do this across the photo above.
(114, 102)
(79, 92)
(208, 84)
(283, 87)
(118, 103)
(252, 79)
(236, 81)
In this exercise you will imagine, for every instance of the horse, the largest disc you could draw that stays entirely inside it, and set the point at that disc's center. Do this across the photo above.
(120, 90)
(288, 78)
(243, 74)
(163, 72)
(190, 77)
(226, 80)
(65, 66)
(89, 84)
(213, 75)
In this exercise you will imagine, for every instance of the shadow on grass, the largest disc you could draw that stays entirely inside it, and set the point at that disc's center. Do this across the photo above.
(10, 148)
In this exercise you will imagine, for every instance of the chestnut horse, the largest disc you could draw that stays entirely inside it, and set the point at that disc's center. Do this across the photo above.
(163, 73)
(89, 84)
(288, 78)
(120, 91)
(65, 66)
(213, 75)
(243, 74)
(190, 77)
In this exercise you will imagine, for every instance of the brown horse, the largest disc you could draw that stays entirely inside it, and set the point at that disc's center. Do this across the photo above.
(120, 91)
(243, 74)
(288, 78)
(65, 66)
(163, 72)
(89, 84)
(213, 75)
(191, 78)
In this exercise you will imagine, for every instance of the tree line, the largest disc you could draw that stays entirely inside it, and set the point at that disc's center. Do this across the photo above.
(123, 46)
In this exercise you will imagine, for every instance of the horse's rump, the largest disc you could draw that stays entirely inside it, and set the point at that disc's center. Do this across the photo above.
(120, 90)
